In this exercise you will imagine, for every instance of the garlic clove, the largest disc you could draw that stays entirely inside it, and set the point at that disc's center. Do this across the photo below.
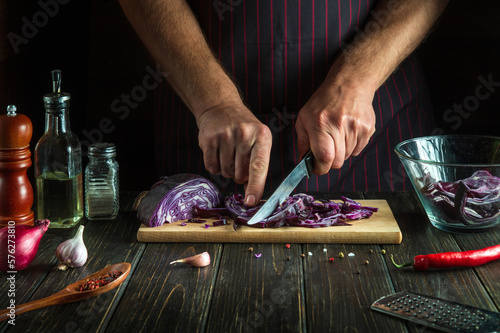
(72, 252)
(199, 260)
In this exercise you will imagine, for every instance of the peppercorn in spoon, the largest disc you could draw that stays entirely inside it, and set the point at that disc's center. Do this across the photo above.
(97, 283)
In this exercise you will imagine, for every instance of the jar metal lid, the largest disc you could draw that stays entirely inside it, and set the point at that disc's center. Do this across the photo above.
(102, 149)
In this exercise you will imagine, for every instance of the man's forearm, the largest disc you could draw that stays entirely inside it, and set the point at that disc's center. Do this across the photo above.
(395, 30)
(338, 120)
(172, 34)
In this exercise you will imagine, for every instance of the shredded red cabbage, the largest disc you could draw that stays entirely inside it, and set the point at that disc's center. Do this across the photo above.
(211, 212)
(196, 220)
(474, 200)
(299, 210)
(219, 223)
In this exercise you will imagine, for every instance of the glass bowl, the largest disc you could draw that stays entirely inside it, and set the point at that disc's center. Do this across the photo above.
(456, 178)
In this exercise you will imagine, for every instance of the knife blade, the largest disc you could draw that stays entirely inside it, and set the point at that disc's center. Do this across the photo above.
(304, 168)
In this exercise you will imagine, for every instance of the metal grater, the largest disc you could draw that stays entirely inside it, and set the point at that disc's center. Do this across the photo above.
(437, 313)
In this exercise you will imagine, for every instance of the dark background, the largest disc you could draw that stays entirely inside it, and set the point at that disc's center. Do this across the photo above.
(101, 58)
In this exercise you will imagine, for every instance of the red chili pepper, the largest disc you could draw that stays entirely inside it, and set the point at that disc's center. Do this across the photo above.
(454, 259)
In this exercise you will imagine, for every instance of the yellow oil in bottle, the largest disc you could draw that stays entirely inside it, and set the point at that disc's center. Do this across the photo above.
(60, 199)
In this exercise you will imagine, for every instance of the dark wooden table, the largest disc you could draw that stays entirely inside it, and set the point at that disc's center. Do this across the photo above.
(241, 293)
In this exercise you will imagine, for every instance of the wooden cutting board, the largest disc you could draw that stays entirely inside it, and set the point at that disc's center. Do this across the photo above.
(381, 228)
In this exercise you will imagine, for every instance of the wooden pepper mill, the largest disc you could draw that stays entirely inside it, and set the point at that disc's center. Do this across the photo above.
(16, 192)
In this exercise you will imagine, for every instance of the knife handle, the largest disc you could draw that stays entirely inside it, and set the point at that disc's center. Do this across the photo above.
(309, 161)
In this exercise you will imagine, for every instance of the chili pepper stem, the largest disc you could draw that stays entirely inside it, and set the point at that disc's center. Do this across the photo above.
(401, 265)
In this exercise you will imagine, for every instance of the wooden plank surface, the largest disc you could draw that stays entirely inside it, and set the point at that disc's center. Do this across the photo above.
(381, 228)
(240, 292)
(258, 293)
(162, 297)
(340, 292)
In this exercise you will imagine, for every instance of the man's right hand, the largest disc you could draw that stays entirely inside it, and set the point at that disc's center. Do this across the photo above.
(237, 145)
(234, 142)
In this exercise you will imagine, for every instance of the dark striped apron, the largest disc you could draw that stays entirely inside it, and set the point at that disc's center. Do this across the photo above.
(279, 52)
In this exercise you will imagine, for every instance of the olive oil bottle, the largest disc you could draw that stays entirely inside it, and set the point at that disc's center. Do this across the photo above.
(58, 163)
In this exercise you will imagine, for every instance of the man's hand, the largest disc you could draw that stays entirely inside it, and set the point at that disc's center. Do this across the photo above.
(237, 145)
(234, 143)
(339, 120)
(336, 122)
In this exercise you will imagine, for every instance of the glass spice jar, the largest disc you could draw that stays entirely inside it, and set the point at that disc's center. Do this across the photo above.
(101, 182)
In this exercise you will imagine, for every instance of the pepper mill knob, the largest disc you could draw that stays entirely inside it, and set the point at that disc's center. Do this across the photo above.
(15, 129)
(16, 192)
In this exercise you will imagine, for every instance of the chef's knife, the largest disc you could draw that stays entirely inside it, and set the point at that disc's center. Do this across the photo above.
(304, 168)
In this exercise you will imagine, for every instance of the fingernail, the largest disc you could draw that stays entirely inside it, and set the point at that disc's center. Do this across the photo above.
(250, 200)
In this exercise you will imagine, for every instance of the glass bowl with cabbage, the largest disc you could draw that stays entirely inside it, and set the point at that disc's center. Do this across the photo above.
(456, 178)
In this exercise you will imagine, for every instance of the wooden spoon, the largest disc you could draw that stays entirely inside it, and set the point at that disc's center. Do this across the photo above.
(72, 292)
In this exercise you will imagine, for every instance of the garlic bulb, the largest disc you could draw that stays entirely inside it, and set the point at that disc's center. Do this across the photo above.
(199, 260)
(72, 253)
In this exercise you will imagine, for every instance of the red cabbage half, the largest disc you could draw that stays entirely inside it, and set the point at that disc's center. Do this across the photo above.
(174, 198)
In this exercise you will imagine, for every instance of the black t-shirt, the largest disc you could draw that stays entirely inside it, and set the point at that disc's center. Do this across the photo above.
(278, 53)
